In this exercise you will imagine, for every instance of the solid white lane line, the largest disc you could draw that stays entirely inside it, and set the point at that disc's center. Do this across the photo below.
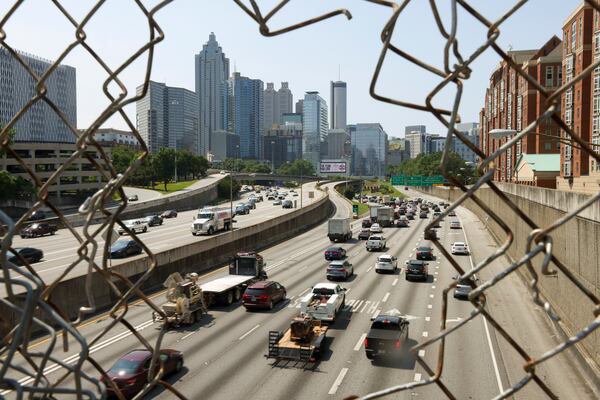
(487, 329)
(417, 377)
(421, 353)
(386, 297)
(360, 342)
(249, 332)
(395, 282)
(338, 381)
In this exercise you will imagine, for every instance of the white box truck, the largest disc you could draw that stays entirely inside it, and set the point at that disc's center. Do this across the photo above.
(373, 213)
(339, 229)
(385, 216)
(211, 220)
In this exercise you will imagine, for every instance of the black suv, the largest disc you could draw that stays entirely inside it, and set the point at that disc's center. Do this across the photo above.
(154, 220)
(416, 269)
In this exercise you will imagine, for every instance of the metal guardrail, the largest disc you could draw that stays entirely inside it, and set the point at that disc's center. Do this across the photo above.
(38, 299)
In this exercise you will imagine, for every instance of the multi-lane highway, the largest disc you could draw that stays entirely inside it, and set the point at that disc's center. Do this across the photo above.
(60, 249)
(224, 351)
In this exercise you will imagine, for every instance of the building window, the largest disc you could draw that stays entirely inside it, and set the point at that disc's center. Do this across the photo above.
(559, 75)
(519, 112)
(509, 111)
(573, 35)
(502, 95)
(549, 75)
(548, 146)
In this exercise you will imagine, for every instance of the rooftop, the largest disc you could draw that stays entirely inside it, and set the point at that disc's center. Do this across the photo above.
(541, 162)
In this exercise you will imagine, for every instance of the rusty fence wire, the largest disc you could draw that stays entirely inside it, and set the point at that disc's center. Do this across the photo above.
(457, 69)
(30, 297)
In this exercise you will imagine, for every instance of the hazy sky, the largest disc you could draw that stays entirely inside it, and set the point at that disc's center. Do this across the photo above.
(308, 58)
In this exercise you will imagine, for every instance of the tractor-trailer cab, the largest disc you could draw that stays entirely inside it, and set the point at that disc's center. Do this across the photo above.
(211, 220)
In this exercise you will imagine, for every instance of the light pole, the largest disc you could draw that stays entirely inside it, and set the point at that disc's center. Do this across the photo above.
(237, 147)
(301, 185)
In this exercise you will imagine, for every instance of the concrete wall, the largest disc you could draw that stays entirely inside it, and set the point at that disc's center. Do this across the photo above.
(576, 244)
(201, 256)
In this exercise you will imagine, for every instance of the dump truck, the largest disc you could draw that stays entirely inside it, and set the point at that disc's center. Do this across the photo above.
(303, 341)
(385, 216)
(339, 229)
(244, 269)
(185, 301)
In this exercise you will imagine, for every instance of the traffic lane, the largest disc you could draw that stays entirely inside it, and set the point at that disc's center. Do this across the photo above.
(138, 316)
(530, 326)
(254, 364)
(157, 238)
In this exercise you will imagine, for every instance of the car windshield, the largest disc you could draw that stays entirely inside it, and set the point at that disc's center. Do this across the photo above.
(385, 259)
(119, 244)
(325, 291)
(336, 265)
(413, 264)
(205, 215)
(375, 238)
(333, 249)
(424, 249)
(386, 325)
(127, 366)
(459, 244)
(254, 292)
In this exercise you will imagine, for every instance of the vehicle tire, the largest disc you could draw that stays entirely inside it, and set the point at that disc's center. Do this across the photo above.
(22, 236)
(270, 305)
(229, 298)
(192, 318)
(210, 232)
(237, 294)
(144, 230)
(284, 296)
(52, 233)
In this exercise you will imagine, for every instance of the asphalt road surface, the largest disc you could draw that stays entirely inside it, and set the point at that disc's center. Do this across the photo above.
(224, 351)
(60, 249)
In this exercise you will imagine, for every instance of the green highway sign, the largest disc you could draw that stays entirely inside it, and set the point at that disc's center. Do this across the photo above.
(416, 180)
(355, 208)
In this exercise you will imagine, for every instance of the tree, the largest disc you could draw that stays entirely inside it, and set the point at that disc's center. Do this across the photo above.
(298, 167)
(255, 167)
(199, 166)
(163, 165)
(223, 187)
(349, 193)
(429, 165)
(14, 187)
(185, 163)
(123, 157)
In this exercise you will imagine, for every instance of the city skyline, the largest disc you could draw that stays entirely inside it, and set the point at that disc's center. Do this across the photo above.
(186, 29)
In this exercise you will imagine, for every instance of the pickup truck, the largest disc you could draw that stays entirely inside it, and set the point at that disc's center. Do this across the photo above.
(387, 337)
(376, 242)
(38, 229)
(324, 301)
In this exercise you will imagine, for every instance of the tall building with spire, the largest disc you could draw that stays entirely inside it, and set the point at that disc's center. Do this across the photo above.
(212, 72)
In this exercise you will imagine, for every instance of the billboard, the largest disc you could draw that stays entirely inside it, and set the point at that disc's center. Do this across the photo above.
(329, 167)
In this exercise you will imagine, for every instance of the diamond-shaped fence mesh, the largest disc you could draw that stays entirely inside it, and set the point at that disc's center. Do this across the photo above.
(34, 304)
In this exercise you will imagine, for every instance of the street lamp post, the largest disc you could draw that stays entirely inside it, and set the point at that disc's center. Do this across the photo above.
(301, 185)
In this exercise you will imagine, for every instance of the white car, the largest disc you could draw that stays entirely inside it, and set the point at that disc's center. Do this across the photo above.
(277, 202)
(386, 263)
(455, 224)
(376, 228)
(134, 225)
(460, 248)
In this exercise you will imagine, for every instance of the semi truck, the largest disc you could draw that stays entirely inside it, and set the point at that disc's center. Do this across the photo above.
(244, 269)
(385, 216)
(339, 229)
(373, 213)
(210, 220)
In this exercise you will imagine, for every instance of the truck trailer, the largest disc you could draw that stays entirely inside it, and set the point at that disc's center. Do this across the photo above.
(339, 229)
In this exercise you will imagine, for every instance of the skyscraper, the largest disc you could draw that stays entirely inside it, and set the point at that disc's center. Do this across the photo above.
(314, 129)
(212, 71)
(338, 105)
(369, 149)
(277, 103)
(168, 117)
(40, 123)
(247, 110)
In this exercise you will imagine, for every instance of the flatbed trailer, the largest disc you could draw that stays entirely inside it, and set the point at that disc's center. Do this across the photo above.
(227, 289)
(284, 346)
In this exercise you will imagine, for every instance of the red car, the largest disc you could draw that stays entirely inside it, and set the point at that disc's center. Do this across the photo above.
(424, 253)
(130, 372)
(263, 294)
(335, 253)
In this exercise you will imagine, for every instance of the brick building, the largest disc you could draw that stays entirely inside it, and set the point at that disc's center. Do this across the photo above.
(511, 104)
(581, 103)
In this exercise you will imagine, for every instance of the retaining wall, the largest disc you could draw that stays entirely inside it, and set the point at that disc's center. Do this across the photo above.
(576, 244)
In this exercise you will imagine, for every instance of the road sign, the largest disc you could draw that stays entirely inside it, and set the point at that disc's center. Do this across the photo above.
(416, 180)
(355, 208)
(114, 235)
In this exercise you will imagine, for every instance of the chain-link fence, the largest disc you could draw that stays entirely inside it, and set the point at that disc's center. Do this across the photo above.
(30, 296)
(456, 69)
